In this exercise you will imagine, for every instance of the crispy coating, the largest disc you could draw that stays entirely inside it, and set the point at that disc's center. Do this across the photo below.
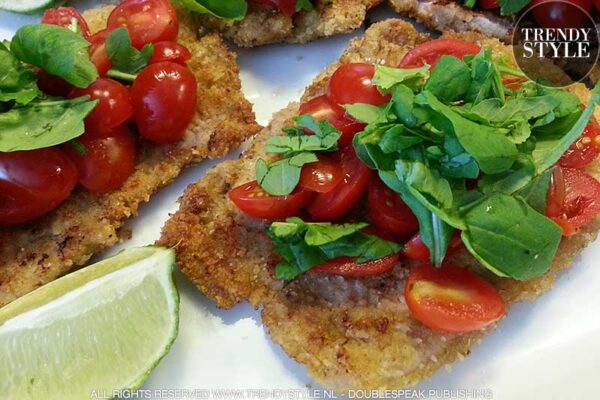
(266, 25)
(350, 333)
(39, 252)
(444, 15)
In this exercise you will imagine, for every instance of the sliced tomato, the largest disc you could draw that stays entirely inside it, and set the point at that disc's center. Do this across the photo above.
(347, 266)
(488, 4)
(417, 250)
(321, 108)
(452, 299)
(514, 83)
(65, 17)
(430, 52)
(582, 201)
(585, 150)
(254, 201)
(33, 183)
(287, 7)
(321, 176)
(334, 204)
(557, 192)
(170, 51)
(148, 21)
(351, 83)
(388, 211)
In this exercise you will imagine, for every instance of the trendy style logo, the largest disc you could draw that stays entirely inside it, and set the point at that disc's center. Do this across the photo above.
(560, 55)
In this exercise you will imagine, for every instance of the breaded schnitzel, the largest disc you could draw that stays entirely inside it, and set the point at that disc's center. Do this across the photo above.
(37, 253)
(350, 333)
(264, 25)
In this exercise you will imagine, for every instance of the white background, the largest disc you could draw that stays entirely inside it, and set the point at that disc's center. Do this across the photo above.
(549, 349)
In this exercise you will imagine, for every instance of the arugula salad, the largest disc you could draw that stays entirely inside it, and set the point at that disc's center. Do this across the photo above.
(236, 10)
(454, 150)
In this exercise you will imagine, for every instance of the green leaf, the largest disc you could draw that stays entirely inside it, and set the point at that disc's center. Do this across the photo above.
(56, 50)
(536, 191)
(492, 150)
(510, 238)
(510, 181)
(281, 177)
(387, 78)
(43, 124)
(366, 112)
(16, 82)
(470, 3)
(305, 245)
(304, 5)
(234, 10)
(510, 7)
(549, 150)
(434, 232)
(425, 180)
(524, 108)
(402, 105)
(394, 139)
(124, 58)
(486, 81)
(449, 80)
(456, 162)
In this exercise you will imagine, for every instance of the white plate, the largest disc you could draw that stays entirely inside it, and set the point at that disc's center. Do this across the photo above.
(549, 349)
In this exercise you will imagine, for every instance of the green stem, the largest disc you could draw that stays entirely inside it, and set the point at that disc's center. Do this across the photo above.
(122, 76)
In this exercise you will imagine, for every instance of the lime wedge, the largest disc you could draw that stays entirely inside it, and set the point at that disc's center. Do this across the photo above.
(29, 6)
(97, 330)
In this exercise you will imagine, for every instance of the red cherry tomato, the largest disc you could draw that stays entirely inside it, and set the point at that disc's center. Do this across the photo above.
(417, 250)
(164, 101)
(488, 4)
(53, 85)
(98, 53)
(581, 203)
(321, 176)
(334, 204)
(64, 16)
(33, 183)
(585, 150)
(170, 51)
(148, 21)
(597, 5)
(251, 199)
(346, 266)
(561, 13)
(321, 108)
(287, 7)
(430, 52)
(108, 161)
(452, 299)
(351, 83)
(113, 109)
(388, 211)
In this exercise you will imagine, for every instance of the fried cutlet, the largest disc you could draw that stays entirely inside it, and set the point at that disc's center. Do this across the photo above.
(85, 224)
(264, 25)
(350, 333)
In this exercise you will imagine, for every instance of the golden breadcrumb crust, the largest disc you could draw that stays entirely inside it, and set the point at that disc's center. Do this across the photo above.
(266, 25)
(85, 224)
(350, 333)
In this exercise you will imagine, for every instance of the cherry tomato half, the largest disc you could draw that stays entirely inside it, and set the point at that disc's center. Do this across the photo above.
(321, 108)
(33, 183)
(581, 203)
(388, 211)
(113, 109)
(287, 7)
(164, 101)
(585, 150)
(148, 21)
(351, 83)
(557, 192)
(254, 201)
(561, 13)
(334, 204)
(346, 266)
(321, 176)
(417, 250)
(452, 299)
(64, 16)
(488, 4)
(430, 52)
(170, 51)
(98, 53)
(108, 161)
